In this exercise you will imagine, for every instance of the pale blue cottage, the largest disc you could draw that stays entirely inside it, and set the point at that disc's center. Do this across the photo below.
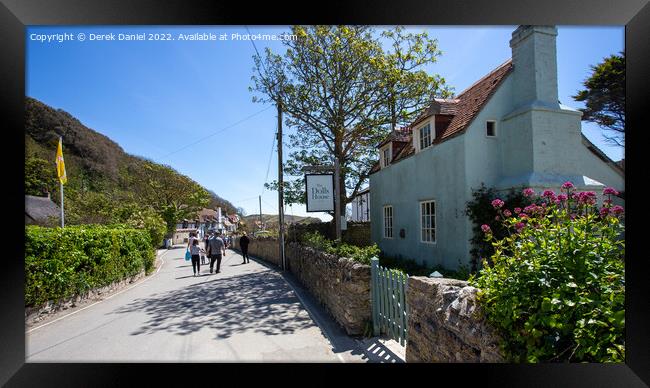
(506, 130)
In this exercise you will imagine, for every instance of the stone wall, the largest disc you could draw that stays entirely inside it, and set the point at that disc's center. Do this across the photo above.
(341, 285)
(446, 324)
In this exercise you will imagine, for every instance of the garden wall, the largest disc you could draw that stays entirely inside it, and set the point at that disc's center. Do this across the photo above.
(341, 285)
(446, 324)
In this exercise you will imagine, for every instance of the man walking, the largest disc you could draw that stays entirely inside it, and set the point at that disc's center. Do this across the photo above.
(243, 244)
(216, 250)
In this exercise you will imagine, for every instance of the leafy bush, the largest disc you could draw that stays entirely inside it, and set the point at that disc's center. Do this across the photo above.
(359, 254)
(150, 221)
(412, 268)
(556, 287)
(61, 263)
(480, 212)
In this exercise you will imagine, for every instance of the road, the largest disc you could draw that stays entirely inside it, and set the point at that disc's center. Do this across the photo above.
(246, 313)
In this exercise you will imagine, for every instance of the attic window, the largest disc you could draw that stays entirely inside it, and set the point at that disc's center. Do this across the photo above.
(425, 136)
(490, 129)
(385, 155)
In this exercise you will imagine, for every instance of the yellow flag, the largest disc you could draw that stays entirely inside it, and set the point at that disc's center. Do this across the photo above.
(60, 165)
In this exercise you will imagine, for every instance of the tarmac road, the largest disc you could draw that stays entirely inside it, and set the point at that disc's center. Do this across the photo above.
(246, 313)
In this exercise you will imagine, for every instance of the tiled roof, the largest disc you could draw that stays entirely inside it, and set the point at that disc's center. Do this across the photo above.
(398, 135)
(41, 208)
(463, 108)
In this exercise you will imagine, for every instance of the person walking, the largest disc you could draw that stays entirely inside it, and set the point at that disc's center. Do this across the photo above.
(243, 244)
(195, 251)
(216, 250)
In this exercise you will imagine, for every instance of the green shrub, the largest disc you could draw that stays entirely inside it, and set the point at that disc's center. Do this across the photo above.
(61, 263)
(150, 221)
(556, 285)
(412, 268)
(358, 254)
(480, 212)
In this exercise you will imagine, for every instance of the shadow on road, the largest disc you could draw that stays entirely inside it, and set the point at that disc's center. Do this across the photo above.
(260, 301)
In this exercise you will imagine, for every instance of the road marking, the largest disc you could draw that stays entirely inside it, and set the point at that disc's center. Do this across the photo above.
(107, 298)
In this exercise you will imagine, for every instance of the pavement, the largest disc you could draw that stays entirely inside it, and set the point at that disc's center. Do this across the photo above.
(246, 313)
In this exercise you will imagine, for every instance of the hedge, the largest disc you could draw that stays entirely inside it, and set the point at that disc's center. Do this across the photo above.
(61, 263)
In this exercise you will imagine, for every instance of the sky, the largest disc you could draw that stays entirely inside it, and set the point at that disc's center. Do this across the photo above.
(187, 103)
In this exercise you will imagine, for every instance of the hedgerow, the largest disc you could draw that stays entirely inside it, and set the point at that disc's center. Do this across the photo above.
(358, 254)
(64, 262)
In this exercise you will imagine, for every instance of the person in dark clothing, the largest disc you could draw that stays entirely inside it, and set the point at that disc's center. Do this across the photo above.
(195, 251)
(216, 250)
(243, 244)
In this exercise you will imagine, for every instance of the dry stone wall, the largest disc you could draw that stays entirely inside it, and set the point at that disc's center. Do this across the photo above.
(446, 324)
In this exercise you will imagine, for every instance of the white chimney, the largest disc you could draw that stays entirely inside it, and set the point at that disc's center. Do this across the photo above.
(534, 58)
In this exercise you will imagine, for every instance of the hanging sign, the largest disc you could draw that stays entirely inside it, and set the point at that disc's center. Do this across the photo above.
(320, 192)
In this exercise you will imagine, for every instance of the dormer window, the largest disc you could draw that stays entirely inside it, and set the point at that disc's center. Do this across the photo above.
(424, 134)
(385, 155)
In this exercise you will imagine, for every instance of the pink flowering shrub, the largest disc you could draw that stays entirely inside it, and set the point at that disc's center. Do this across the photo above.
(555, 285)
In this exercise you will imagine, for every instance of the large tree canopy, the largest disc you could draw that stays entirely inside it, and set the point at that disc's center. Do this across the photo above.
(343, 89)
(604, 97)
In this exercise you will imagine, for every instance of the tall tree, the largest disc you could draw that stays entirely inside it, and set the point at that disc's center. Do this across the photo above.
(174, 196)
(604, 98)
(342, 93)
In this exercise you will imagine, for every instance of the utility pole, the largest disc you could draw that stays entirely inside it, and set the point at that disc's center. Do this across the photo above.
(281, 187)
(337, 198)
(260, 212)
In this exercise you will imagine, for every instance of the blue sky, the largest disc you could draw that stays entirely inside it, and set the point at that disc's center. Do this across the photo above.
(182, 103)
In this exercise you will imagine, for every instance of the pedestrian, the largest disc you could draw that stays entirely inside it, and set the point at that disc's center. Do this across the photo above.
(243, 244)
(195, 251)
(216, 251)
(206, 236)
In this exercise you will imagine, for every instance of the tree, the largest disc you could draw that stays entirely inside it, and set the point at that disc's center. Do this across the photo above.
(40, 177)
(174, 196)
(342, 94)
(604, 98)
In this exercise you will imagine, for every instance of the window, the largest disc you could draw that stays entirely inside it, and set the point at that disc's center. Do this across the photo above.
(388, 222)
(425, 136)
(490, 129)
(385, 155)
(428, 221)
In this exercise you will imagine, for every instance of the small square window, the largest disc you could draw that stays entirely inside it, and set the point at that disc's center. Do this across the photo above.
(491, 129)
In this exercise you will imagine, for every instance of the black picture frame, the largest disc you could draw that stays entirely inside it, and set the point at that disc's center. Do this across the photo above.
(634, 14)
(307, 195)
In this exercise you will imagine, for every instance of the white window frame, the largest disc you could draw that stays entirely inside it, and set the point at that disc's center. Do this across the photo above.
(435, 223)
(432, 134)
(388, 147)
(390, 226)
(495, 129)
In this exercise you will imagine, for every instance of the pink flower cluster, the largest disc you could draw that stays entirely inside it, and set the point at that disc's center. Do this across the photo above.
(497, 204)
(529, 192)
(486, 228)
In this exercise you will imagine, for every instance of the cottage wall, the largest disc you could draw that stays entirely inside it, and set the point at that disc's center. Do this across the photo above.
(437, 173)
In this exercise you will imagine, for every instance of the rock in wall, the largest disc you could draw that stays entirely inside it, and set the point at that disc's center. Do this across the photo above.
(446, 324)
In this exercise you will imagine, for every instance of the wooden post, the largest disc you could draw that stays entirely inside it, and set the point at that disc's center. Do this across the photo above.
(374, 295)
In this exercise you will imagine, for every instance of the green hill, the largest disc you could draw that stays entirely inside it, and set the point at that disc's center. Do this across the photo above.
(272, 222)
(105, 184)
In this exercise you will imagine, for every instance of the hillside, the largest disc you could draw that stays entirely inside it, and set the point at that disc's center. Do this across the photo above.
(102, 177)
(272, 222)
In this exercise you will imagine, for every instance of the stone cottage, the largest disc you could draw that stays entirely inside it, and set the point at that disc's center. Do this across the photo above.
(507, 130)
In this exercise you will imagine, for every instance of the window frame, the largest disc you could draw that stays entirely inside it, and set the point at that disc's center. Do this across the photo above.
(420, 138)
(421, 216)
(392, 218)
(382, 160)
(494, 123)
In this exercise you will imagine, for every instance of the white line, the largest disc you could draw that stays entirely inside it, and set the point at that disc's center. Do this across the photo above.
(107, 298)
